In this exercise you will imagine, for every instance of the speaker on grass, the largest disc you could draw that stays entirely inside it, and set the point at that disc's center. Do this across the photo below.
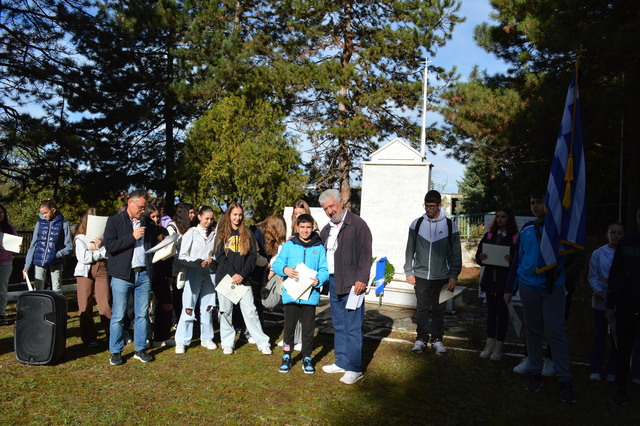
(41, 327)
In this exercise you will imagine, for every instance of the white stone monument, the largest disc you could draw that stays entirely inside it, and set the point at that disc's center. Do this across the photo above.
(394, 182)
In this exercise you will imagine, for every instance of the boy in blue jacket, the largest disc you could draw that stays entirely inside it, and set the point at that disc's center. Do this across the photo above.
(543, 302)
(304, 247)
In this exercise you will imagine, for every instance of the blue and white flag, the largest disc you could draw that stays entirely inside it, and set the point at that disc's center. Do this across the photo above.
(381, 266)
(564, 224)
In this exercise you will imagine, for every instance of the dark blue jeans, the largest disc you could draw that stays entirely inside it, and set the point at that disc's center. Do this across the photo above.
(347, 340)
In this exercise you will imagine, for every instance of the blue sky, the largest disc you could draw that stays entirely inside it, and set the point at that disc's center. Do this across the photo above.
(462, 52)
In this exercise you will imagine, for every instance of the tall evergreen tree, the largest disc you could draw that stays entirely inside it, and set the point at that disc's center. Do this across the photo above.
(541, 41)
(360, 65)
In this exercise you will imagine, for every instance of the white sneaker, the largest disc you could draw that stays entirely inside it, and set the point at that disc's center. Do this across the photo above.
(523, 367)
(350, 377)
(163, 343)
(280, 343)
(209, 345)
(419, 346)
(180, 349)
(333, 369)
(548, 370)
(595, 376)
(228, 350)
(266, 350)
(297, 347)
(251, 340)
(438, 348)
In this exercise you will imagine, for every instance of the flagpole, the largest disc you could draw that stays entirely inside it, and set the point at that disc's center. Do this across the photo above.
(621, 159)
(425, 87)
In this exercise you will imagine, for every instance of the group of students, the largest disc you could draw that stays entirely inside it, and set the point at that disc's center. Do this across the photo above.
(614, 275)
(183, 286)
(206, 252)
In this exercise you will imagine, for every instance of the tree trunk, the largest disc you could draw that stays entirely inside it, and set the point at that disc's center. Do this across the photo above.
(344, 160)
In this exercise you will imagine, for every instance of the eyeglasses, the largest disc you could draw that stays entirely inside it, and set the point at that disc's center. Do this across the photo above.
(139, 206)
(430, 206)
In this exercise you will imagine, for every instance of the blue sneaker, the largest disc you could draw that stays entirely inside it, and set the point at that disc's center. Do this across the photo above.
(307, 366)
(286, 363)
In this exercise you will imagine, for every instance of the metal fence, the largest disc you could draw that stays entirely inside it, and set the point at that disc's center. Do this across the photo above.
(598, 217)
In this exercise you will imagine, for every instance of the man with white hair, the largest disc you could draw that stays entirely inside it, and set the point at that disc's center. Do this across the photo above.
(347, 239)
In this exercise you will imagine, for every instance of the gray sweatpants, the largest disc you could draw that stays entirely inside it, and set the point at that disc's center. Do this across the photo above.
(544, 312)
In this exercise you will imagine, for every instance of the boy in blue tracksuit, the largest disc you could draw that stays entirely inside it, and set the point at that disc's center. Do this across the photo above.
(304, 247)
(543, 302)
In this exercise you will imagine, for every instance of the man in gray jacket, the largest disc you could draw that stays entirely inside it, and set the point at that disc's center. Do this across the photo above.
(433, 259)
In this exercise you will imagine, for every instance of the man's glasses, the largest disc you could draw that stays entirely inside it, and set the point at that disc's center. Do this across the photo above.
(430, 206)
(139, 206)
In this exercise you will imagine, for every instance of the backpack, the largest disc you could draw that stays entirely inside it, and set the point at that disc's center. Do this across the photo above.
(449, 229)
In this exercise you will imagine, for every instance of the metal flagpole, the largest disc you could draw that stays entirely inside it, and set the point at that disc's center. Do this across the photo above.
(423, 134)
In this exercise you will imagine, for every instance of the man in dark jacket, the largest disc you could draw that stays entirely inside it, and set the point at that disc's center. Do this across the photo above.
(623, 303)
(127, 236)
(347, 239)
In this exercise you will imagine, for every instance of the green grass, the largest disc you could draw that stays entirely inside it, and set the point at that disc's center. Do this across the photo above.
(246, 388)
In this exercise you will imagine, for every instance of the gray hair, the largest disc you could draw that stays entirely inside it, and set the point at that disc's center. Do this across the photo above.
(139, 193)
(329, 193)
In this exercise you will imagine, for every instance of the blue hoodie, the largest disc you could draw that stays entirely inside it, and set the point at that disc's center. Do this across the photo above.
(313, 255)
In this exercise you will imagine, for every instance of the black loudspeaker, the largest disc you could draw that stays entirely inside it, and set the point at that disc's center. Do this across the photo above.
(41, 327)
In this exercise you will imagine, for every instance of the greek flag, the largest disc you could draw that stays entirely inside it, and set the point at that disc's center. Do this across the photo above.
(381, 266)
(564, 224)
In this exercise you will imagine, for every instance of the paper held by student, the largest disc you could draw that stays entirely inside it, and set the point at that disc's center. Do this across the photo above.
(300, 287)
(495, 254)
(10, 242)
(164, 253)
(515, 319)
(446, 294)
(231, 291)
(95, 228)
(164, 243)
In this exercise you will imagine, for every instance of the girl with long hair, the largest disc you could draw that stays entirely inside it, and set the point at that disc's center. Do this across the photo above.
(300, 207)
(236, 254)
(6, 263)
(504, 232)
(162, 298)
(195, 253)
(180, 224)
(92, 282)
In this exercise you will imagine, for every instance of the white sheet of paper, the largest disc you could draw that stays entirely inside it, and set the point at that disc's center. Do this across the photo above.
(95, 228)
(164, 253)
(446, 294)
(495, 254)
(355, 300)
(515, 319)
(300, 287)
(29, 286)
(162, 244)
(233, 292)
(11, 242)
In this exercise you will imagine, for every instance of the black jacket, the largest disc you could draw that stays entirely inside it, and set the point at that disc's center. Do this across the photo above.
(624, 279)
(119, 242)
(231, 262)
